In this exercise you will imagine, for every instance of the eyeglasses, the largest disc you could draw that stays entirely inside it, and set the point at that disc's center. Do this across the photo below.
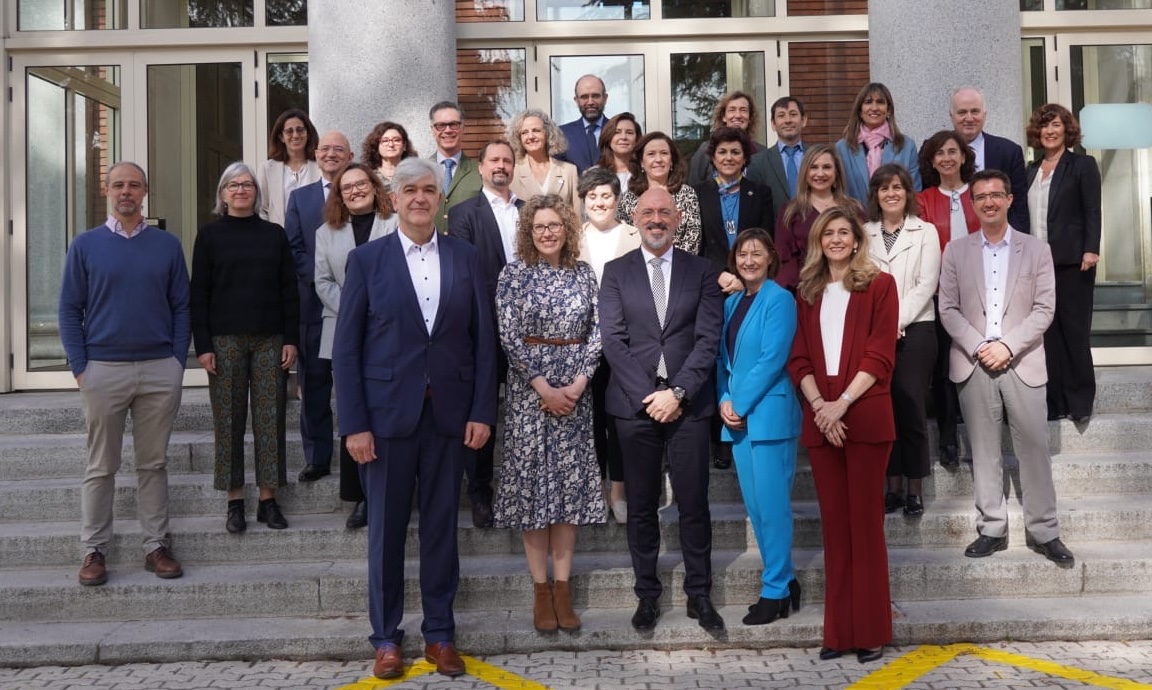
(553, 228)
(997, 196)
(295, 130)
(358, 185)
(955, 205)
(331, 149)
(441, 126)
(391, 140)
(237, 186)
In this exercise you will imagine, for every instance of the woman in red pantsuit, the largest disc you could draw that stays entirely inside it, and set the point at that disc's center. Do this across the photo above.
(842, 357)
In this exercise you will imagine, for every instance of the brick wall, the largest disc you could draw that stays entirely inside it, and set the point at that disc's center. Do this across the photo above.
(826, 76)
(481, 11)
(817, 8)
(483, 85)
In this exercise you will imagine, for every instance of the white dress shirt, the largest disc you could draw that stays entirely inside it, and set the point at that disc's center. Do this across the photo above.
(833, 309)
(995, 283)
(424, 269)
(1038, 204)
(507, 218)
(977, 145)
(665, 268)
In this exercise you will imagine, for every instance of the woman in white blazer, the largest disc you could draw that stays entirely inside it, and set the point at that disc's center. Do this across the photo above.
(291, 163)
(536, 141)
(357, 211)
(908, 249)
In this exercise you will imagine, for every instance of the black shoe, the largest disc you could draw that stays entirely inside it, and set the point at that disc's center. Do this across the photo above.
(985, 546)
(311, 473)
(913, 507)
(236, 522)
(765, 611)
(700, 608)
(794, 593)
(893, 502)
(722, 458)
(359, 516)
(722, 463)
(827, 654)
(647, 612)
(1079, 418)
(865, 656)
(949, 457)
(1054, 551)
(481, 514)
(267, 511)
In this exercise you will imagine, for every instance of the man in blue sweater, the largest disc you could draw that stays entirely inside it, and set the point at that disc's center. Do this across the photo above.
(125, 327)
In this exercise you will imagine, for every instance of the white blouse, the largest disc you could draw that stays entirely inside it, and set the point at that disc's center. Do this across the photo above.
(833, 310)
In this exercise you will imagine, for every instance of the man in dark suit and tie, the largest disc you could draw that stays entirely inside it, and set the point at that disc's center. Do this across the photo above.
(488, 221)
(783, 160)
(461, 177)
(660, 320)
(415, 365)
(969, 113)
(997, 297)
(583, 133)
(305, 213)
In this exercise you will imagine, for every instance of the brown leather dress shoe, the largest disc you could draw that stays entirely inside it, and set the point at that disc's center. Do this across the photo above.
(389, 661)
(161, 562)
(92, 572)
(444, 655)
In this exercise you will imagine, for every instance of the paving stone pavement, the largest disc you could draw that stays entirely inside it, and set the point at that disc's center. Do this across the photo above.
(1050, 665)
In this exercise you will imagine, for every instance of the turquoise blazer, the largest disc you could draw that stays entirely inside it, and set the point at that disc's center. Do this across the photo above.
(756, 378)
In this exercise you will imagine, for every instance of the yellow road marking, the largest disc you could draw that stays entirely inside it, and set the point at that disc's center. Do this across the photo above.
(488, 673)
(1054, 669)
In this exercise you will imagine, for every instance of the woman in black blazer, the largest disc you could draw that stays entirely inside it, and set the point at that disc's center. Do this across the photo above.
(1064, 208)
(729, 203)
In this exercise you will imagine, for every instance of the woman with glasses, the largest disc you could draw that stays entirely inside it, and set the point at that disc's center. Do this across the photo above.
(536, 141)
(617, 142)
(291, 163)
(384, 147)
(656, 162)
(947, 165)
(246, 326)
(549, 479)
(871, 139)
(357, 211)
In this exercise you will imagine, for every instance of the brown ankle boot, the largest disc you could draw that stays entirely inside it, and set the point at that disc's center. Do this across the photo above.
(566, 618)
(543, 615)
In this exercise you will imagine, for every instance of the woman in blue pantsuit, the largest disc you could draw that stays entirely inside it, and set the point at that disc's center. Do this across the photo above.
(760, 412)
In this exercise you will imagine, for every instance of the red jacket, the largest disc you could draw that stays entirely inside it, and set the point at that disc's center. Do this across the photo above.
(936, 209)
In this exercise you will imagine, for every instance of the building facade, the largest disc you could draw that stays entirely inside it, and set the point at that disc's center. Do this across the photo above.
(186, 86)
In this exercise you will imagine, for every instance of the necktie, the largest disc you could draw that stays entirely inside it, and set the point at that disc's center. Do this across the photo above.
(593, 145)
(327, 188)
(449, 167)
(660, 298)
(791, 167)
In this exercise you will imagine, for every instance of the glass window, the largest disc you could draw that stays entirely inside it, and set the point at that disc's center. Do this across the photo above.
(1031, 5)
(68, 15)
(195, 14)
(472, 11)
(702, 9)
(491, 88)
(1035, 93)
(286, 13)
(287, 84)
(623, 77)
(826, 76)
(73, 134)
(699, 80)
(1103, 4)
(584, 10)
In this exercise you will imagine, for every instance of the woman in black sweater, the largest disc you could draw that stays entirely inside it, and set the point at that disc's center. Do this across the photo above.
(245, 325)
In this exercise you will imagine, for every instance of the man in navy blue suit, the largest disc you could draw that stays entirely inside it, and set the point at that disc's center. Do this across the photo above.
(488, 221)
(415, 366)
(583, 134)
(305, 213)
(969, 113)
(660, 317)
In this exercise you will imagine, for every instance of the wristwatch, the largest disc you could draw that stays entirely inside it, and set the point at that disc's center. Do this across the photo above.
(845, 397)
(678, 393)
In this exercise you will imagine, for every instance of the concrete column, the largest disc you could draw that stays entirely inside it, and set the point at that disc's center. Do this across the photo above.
(922, 49)
(374, 61)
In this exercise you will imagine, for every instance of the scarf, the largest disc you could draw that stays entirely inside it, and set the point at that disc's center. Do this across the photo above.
(873, 141)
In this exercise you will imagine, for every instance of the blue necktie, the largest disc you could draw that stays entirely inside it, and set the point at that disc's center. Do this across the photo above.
(449, 166)
(593, 145)
(791, 167)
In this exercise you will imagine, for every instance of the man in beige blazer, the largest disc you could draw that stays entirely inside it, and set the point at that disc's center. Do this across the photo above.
(997, 297)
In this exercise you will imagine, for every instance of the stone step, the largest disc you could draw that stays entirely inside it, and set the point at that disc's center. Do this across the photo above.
(600, 580)
(1073, 618)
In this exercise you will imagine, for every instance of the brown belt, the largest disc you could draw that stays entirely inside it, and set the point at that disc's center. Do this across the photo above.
(534, 340)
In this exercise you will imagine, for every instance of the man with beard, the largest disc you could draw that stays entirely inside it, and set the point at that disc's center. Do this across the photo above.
(660, 321)
(583, 134)
(488, 221)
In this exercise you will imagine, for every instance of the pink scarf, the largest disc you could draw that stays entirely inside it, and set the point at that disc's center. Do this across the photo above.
(873, 140)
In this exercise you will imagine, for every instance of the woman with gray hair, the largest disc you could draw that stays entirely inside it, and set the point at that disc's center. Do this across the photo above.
(536, 141)
(245, 326)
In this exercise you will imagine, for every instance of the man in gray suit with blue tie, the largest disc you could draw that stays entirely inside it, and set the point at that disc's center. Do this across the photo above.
(783, 160)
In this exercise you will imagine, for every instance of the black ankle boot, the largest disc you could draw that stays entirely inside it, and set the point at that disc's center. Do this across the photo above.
(267, 511)
(236, 523)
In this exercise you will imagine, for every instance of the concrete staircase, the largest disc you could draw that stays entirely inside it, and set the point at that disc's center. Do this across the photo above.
(301, 593)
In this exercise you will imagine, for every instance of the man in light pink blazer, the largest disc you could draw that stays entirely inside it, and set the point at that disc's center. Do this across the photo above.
(997, 297)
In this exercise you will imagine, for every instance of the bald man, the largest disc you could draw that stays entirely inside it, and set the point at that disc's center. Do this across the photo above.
(968, 113)
(583, 133)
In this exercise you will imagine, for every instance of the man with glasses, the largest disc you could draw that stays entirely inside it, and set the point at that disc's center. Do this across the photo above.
(969, 113)
(997, 297)
(304, 216)
(660, 320)
(583, 133)
(461, 174)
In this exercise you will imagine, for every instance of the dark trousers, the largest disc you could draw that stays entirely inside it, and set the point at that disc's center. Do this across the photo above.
(350, 488)
(644, 442)
(944, 397)
(315, 377)
(604, 428)
(431, 465)
(850, 491)
(1067, 344)
(911, 379)
(479, 464)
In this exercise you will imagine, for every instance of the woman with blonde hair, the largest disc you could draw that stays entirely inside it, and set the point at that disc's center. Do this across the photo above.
(536, 141)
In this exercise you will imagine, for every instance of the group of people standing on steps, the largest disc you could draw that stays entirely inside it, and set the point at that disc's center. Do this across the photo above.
(646, 314)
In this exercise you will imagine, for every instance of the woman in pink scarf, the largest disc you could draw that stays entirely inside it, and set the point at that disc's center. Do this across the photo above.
(871, 139)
